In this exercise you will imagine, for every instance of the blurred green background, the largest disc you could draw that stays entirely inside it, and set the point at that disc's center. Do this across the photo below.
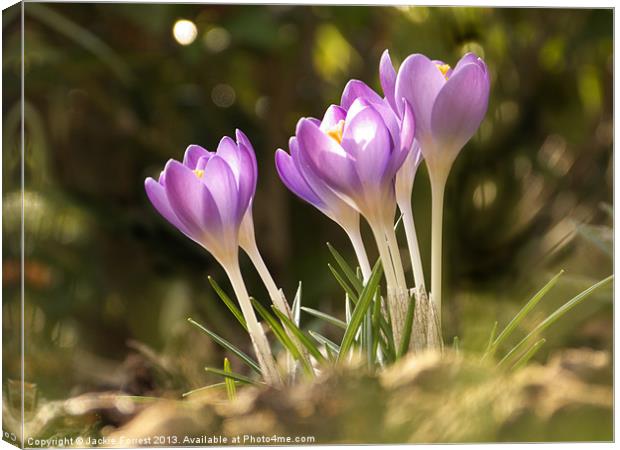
(112, 92)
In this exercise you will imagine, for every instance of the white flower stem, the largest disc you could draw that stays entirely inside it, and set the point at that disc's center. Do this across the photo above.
(360, 251)
(412, 243)
(397, 262)
(438, 186)
(263, 271)
(257, 335)
(277, 297)
(393, 290)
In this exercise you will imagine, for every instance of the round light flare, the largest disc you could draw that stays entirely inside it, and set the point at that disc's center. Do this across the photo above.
(184, 31)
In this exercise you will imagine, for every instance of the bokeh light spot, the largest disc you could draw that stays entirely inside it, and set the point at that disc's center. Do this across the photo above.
(223, 95)
(216, 39)
(184, 31)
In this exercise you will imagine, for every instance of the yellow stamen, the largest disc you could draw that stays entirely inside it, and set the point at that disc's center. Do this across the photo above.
(199, 173)
(443, 68)
(336, 131)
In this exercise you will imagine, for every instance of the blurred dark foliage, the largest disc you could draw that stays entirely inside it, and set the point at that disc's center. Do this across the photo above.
(111, 96)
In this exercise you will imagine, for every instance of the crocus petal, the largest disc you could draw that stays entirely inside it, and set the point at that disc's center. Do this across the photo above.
(419, 81)
(406, 174)
(157, 195)
(241, 163)
(407, 133)
(190, 200)
(459, 108)
(221, 183)
(367, 140)
(293, 180)
(358, 89)
(193, 154)
(202, 162)
(326, 158)
(470, 58)
(332, 117)
(245, 145)
(387, 77)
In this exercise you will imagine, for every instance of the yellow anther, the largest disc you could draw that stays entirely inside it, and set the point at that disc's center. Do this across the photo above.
(336, 131)
(199, 173)
(443, 68)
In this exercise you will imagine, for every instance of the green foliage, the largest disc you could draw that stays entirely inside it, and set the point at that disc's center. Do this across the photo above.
(228, 346)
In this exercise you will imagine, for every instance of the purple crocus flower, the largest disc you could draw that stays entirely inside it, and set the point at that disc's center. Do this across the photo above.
(359, 150)
(448, 104)
(300, 179)
(207, 195)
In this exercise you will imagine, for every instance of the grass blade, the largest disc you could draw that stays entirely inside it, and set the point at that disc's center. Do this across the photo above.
(326, 317)
(325, 341)
(554, 316)
(404, 344)
(207, 388)
(301, 337)
(228, 302)
(228, 346)
(232, 375)
(278, 331)
(528, 355)
(231, 390)
(297, 306)
(522, 313)
(456, 345)
(360, 310)
(346, 269)
(348, 289)
(491, 337)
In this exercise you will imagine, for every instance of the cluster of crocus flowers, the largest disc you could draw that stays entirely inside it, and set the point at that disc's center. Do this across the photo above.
(360, 160)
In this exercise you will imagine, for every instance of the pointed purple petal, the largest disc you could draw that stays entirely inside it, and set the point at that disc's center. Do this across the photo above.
(419, 81)
(460, 107)
(326, 158)
(221, 183)
(293, 180)
(193, 154)
(387, 77)
(242, 163)
(358, 89)
(470, 58)
(407, 133)
(246, 145)
(333, 115)
(157, 195)
(367, 140)
(190, 200)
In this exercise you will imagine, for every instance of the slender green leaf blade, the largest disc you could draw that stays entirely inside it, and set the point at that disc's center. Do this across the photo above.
(360, 311)
(235, 376)
(523, 313)
(524, 359)
(207, 388)
(228, 302)
(277, 329)
(325, 341)
(347, 289)
(404, 343)
(554, 316)
(303, 339)
(228, 346)
(326, 317)
(346, 269)
(231, 390)
(297, 306)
